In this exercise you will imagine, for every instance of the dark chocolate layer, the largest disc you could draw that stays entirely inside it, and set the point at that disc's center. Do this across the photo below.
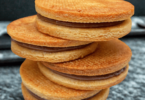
(78, 25)
(90, 78)
(39, 98)
(91, 96)
(49, 49)
(35, 96)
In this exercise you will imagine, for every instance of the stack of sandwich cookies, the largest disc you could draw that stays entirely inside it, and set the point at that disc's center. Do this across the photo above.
(71, 48)
(29, 43)
(24, 43)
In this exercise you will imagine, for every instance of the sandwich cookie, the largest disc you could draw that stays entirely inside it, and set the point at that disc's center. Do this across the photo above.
(28, 95)
(35, 84)
(106, 67)
(28, 42)
(87, 20)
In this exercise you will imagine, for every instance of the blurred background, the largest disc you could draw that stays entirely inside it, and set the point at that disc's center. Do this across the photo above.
(133, 88)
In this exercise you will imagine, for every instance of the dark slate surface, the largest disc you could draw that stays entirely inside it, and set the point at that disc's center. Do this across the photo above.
(10, 82)
(14, 9)
(132, 88)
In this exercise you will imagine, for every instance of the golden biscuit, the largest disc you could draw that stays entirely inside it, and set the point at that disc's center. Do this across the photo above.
(109, 57)
(37, 83)
(85, 11)
(82, 84)
(84, 34)
(24, 30)
(102, 95)
(54, 57)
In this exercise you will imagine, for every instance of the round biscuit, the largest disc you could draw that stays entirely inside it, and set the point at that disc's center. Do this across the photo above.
(100, 96)
(109, 57)
(24, 30)
(85, 34)
(55, 57)
(85, 11)
(82, 85)
(35, 81)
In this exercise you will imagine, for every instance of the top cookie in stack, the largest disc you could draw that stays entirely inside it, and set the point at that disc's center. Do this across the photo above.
(88, 20)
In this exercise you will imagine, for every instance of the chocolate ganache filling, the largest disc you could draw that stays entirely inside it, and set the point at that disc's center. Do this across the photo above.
(39, 98)
(35, 96)
(79, 25)
(90, 78)
(49, 49)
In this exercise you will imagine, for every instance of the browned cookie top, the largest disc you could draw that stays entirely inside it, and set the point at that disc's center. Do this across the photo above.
(35, 81)
(85, 11)
(109, 57)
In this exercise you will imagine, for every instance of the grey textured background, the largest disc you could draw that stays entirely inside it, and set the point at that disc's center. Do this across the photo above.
(132, 88)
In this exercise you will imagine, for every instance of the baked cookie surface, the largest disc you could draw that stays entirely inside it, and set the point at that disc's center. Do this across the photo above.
(102, 95)
(88, 20)
(37, 83)
(85, 34)
(53, 57)
(109, 57)
(80, 83)
(85, 11)
(24, 30)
